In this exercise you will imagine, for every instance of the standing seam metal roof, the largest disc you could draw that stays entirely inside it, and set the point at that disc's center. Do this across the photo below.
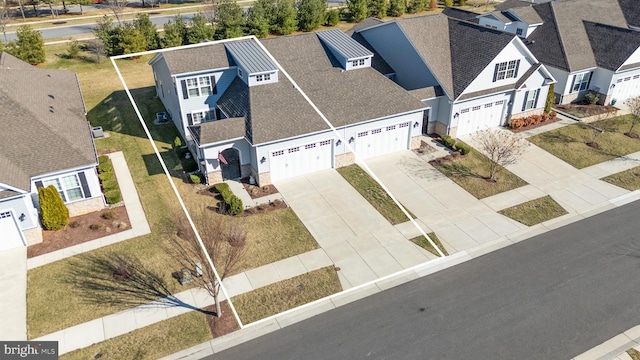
(343, 44)
(249, 55)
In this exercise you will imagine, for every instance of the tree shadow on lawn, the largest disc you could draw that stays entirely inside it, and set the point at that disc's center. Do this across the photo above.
(456, 169)
(120, 280)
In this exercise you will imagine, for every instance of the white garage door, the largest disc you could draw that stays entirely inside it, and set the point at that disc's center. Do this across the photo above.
(480, 117)
(626, 88)
(382, 141)
(10, 236)
(300, 160)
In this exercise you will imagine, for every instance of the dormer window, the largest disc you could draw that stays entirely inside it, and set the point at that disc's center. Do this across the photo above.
(359, 62)
(263, 77)
(519, 31)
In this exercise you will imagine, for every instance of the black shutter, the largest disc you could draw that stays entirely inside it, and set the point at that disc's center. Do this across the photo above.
(495, 73)
(189, 119)
(515, 74)
(214, 86)
(218, 114)
(535, 101)
(85, 186)
(39, 184)
(589, 81)
(524, 103)
(573, 82)
(185, 94)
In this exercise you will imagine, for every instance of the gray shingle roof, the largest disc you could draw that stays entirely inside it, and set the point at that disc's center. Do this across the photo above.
(8, 61)
(343, 44)
(216, 131)
(456, 13)
(526, 14)
(512, 4)
(4, 194)
(456, 51)
(370, 21)
(211, 56)
(48, 128)
(344, 97)
(611, 45)
(248, 54)
(562, 41)
(631, 10)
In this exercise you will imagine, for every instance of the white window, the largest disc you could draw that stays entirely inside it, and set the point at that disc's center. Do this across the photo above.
(68, 187)
(199, 86)
(530, 101)
(506, 70)
(354, 63)
(519, 31)
(580, 82)
(258, 78)
(198, 117)
(267, 77)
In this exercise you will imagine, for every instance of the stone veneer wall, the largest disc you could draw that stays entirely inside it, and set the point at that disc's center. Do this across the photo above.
(441, 129)
(33, 236)
(345, 159)
(415, 142)
(214, 177)
(86, 206)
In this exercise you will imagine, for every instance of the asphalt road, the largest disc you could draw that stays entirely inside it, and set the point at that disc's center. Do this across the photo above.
(550, 297)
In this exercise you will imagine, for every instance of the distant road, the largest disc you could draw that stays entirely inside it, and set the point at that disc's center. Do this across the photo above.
(551, 297)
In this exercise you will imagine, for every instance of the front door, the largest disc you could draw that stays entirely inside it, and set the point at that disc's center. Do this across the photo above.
(230, 170)
(425, 121)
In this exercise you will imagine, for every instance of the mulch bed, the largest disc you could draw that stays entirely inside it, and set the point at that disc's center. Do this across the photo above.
(262, 208)
(585, 110)
(223, 325)
(81, 229)
(529, 127)
(256, 191)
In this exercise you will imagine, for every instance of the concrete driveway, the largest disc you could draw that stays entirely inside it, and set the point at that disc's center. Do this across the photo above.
(13, 290)
(362, 243)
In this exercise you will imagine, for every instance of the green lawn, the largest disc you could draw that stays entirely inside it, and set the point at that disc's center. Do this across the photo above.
(373, 193)
(53, 303)
(634, 354)
(569, 142)
(535, 211)
(471, 171)
(151, 342)
(287, 294)
(425, 244)
(629, 179)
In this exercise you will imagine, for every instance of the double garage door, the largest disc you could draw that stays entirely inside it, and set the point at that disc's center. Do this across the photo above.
(478, 117)
(10, 235)
(300, 160)
(626, 88)
(382, 140)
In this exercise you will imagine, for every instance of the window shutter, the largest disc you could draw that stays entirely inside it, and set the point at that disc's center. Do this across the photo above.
(589, 81)
(218, 114)
(189, 119)
(495, 73)
(535, 101)
(85, 186)
(214, 86)
(573, 82)
(185, 94)
(515, 74)
(524, 103)
(39, 184)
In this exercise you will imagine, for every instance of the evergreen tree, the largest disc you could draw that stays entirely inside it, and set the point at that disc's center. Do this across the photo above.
(311, 14)
(284, 20)
(199, 30)
(358, 10)
(259, 18)
(29, 47)
(462, 2)
(378, 8)
(53, 212)
(332, 17)
(448, 3)
(131, 39)
(143, 24)
(229, 20)
(397, 7)
(174, 33)
(108, 34)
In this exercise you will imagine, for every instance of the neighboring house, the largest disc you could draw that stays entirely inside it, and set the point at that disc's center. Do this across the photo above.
(469, 76)
(46, 140)
(588, 46)
(240, 105)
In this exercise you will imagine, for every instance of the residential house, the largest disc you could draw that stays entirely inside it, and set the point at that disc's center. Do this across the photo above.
(588, 46)
(469, 76)
(46, 141)
(266, 108)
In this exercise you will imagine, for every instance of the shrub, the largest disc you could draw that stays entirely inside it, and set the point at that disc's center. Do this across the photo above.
(109, 185)
(553, 114)
(96, 226)
(109, 215)
(448, 3)
(195, 178)
(333, 17)
(591, 98)
(113, 196)
(105, 167)
(75, 224)
(221, 187)
(464, 148)
(189, 165)
(103, 159)
(107, 176)
(53, 211)
(448, 141)
(177, 142)
(235, 205)
(550, 95)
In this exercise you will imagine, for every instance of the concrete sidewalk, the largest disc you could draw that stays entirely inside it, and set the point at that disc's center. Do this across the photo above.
(13, 294)
(137, 219)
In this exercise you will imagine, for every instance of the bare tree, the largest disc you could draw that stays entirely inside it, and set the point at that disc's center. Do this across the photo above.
(634, 108)
(116, 6)
(501, 148)
(98, 48)
(4, 19)
(209, 12)
(223, 240)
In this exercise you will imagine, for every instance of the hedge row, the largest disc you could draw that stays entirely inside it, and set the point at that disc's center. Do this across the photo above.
(532, 120)
(229, 202)
(454, 145)
(108, 180)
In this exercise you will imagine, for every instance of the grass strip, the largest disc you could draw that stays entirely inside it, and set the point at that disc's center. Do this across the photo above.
(535, 211)
(425, 244)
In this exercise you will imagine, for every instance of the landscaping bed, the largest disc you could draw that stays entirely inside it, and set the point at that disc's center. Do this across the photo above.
(256, 191)
(569, 143)
(535, 211)
(585, 110)
(81, 229)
